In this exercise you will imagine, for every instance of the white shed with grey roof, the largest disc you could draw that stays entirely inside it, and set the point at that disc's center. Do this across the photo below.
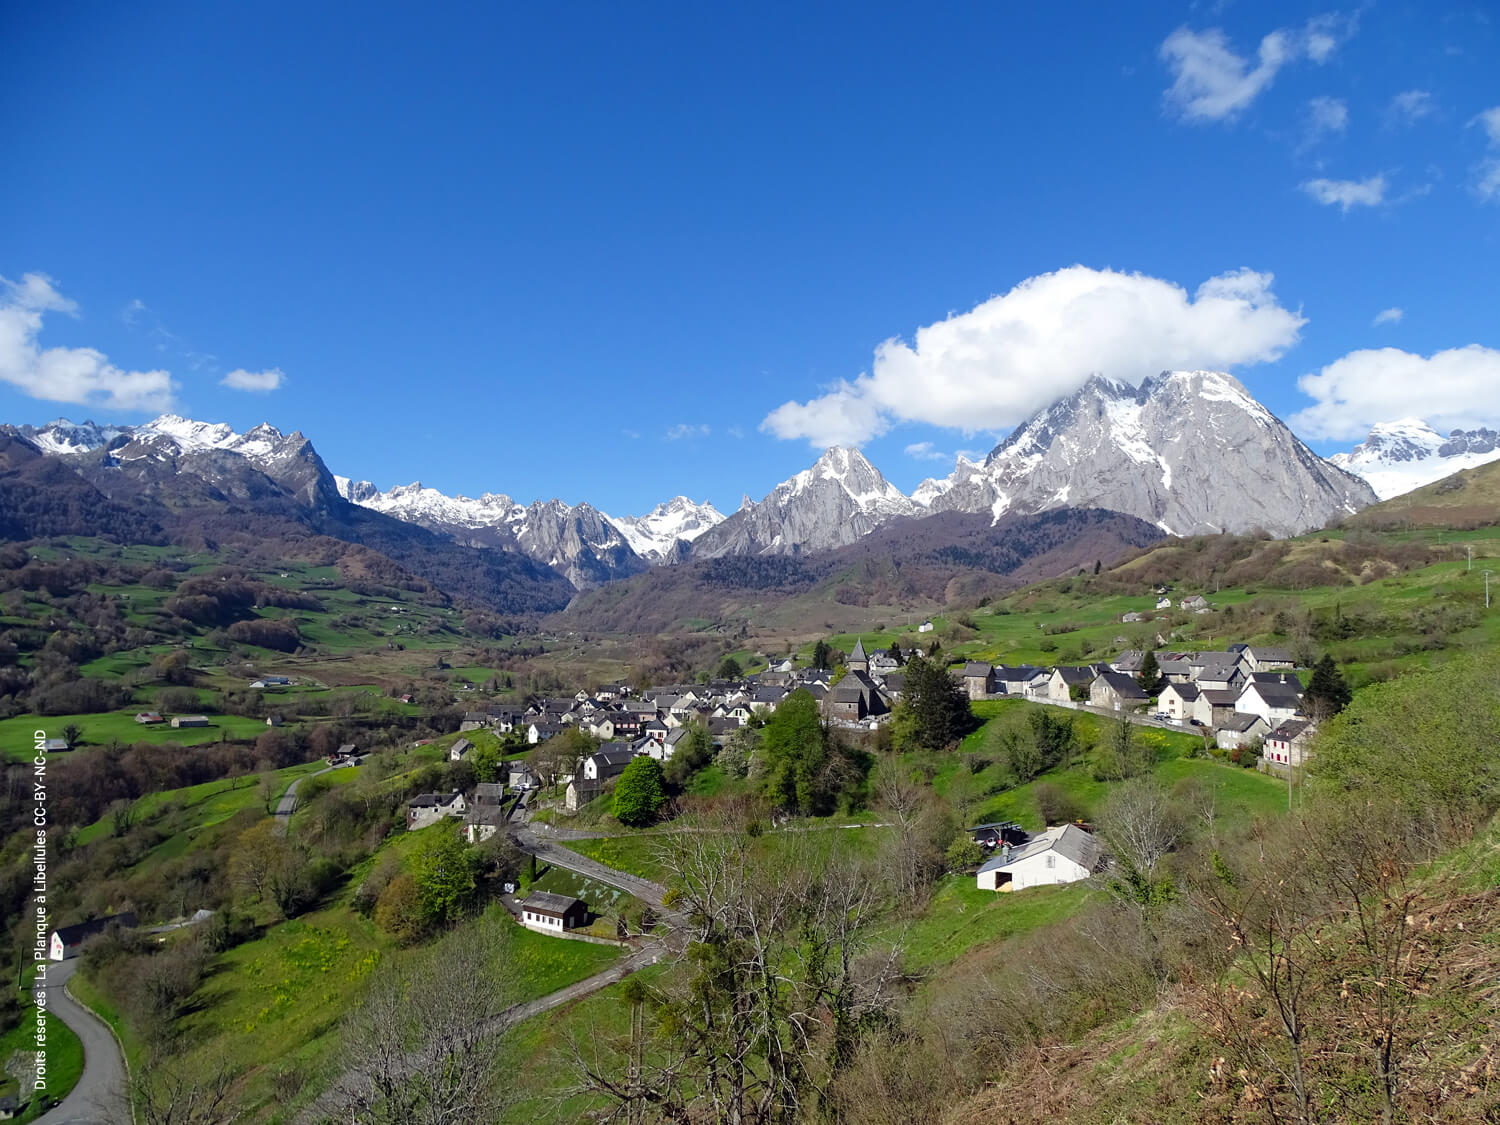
(1064, 854)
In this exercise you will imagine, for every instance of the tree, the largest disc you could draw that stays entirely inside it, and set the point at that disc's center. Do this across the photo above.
(694, 751)
(822, 655)
(771, 993)
(963, 853)
(1123, 754)
(444, 869)
(1150, 677)
(896, 653)
(640, 793)
(486, 760)
(72, 734)
(399, 911)
(730, 669)
(805, 771)
(934, 711)
(1056, 805)
(1327, 692)
(422, 1043)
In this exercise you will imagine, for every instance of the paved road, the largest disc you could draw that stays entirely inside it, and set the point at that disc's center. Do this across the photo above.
(644, 889)
(288, 802)
(99, 1097)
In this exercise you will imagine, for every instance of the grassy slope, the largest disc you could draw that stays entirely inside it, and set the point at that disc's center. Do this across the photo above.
(64, 1059)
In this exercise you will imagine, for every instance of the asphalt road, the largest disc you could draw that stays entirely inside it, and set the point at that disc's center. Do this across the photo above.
(99, 1097)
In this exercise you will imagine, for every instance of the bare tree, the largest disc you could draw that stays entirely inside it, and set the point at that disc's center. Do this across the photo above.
(421, 1043)
(166, 1091)
(777, 978)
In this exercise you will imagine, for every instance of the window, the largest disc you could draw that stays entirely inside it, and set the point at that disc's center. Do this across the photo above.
(1051, 861)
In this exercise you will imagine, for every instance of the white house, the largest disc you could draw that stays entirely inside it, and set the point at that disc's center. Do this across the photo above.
(1063, 680)
(1178, 701)
(460, 747)
(1064, 854)
(550, 913)
(67, 941)
(925, 627)
(1240, 729)
(1273, 702)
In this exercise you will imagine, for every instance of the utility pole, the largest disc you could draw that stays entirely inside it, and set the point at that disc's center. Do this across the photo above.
(1487, 574)
(1470, 549)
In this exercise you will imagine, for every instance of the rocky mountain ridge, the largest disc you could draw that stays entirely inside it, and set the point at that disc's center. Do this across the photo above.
(1190, 451)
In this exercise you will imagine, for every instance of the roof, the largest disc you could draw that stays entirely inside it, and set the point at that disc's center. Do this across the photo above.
(545, 902)
(859, 650)
(1268, 652)
(351, 748)
(1275, 695)
(976, 668)
(490, 789)
(1239, 722)
(1124, 686)
(80, 930)
(612, 754)
(1021, 673)
(1067, 840)
(1071, 675)
(1186, 692)
(1217, 697)
(458, 747)
(1290, 729)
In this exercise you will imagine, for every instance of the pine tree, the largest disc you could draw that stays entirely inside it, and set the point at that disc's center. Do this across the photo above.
(1150, 676)
(1328, 692)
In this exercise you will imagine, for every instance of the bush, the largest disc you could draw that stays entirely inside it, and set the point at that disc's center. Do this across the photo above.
(1056, 805)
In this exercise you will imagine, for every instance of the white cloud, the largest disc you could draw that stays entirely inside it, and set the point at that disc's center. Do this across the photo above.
(1212, 83)
(77, 375)
(991, 367)
(1348, 193)
(1487, 173)
(686, 430)
(1325, 118)
(262, 381)
(924, 451)
(1489, 121)
(1410, 106)
(1457, 388)
(1391, 315)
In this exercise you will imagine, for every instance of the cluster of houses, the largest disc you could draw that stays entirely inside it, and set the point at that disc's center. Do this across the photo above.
(1244, 695)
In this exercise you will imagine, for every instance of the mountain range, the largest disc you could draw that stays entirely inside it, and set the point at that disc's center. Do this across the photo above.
(1186, 452)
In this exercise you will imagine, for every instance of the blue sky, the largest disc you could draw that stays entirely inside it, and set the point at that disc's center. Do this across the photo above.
(617, 253)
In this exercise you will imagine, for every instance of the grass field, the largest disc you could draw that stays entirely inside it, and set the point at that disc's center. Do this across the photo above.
(101, 729)
(960, 917)
(198, 807)
(64, 1059)
(1242, 794)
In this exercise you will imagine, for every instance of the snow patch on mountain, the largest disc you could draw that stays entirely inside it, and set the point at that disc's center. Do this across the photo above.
(1190, 451)
(1408, 453)
(654, 536)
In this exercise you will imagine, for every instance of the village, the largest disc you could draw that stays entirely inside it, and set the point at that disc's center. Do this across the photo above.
(1246, 699)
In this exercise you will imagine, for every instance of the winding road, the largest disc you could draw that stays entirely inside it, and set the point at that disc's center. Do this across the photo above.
(99, 1097)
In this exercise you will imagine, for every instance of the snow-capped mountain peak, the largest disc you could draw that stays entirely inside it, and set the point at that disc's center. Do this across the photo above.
(1408, 453)
(837, 499)
(1189, 451)
(654, 536)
